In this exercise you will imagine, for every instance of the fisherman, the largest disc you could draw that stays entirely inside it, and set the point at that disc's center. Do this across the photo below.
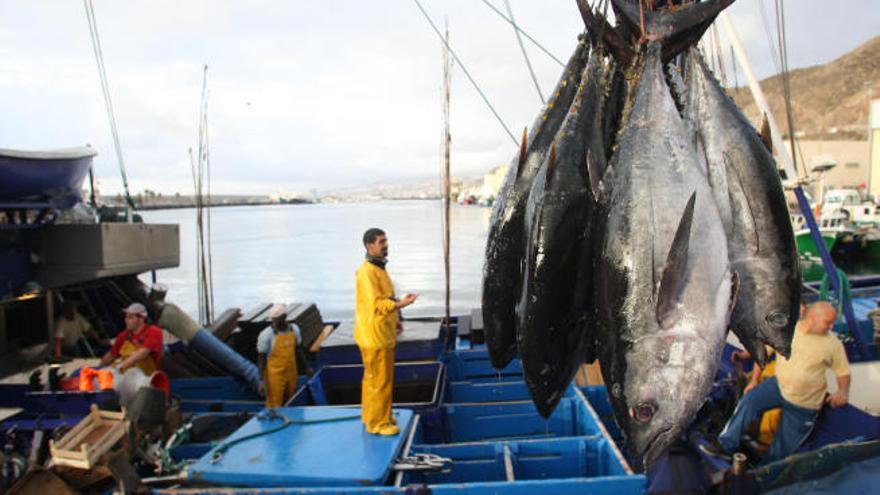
(138, 345)
(798, 388)
(278, 350)
(71, 330)
(770, 419)
(376, 327)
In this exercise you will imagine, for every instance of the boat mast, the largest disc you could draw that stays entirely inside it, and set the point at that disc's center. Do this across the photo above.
(446, 187)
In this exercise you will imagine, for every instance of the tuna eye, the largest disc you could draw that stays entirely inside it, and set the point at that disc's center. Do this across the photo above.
(643, 411)
(777, 319)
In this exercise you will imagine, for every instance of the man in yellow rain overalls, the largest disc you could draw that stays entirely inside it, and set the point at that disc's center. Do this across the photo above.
(139, 345)
(376, 326)
(277, 348)
(770, 419)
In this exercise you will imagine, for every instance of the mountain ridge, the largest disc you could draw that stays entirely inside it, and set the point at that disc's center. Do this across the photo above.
(829, 101)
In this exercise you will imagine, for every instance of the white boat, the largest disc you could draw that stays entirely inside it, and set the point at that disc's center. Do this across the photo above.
(849, 204)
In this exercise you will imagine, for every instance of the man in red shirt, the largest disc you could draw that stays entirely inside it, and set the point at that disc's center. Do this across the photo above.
(138, 345)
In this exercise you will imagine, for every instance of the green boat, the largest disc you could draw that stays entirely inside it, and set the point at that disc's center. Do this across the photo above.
(833, 228)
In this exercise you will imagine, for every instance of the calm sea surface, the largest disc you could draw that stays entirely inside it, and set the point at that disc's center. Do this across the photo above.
(309, 253)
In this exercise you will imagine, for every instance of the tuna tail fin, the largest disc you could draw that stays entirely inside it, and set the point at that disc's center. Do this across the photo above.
(602, 33)
(677, 28)
(766, 138)
(551, 165)
(522, 152)
(672, 281)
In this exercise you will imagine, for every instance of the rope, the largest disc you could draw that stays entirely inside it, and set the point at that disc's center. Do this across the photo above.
(774, 54)
(525, 54)
(733, 66)
(518, 30)
(466, 73)
(218, 451)
(105, 90)
(786, 86)
(166, 463)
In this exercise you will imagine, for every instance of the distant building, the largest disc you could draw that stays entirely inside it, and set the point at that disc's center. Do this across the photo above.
(492, 182)
(874, 143)
(850, 160)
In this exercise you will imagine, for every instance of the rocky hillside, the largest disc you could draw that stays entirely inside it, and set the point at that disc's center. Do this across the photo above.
(830, 101)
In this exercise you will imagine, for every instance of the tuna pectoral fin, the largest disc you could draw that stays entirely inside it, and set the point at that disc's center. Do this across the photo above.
(740, 201)
(766, 138)
(674, 272)
(522, 152)
(594, 173)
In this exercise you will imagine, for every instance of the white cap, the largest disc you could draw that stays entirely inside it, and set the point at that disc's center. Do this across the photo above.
(277, 310)
(136, 309)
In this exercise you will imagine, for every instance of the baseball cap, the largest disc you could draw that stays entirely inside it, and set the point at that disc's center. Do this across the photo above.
(277, 310)
(136, 309)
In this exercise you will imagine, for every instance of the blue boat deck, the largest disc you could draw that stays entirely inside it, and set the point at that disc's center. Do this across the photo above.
(455, 406)
(292, 447)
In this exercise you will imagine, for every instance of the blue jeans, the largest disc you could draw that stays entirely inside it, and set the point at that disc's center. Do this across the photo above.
(794, 425)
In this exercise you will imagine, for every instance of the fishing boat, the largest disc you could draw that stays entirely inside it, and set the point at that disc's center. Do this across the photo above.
(849, 204)
(833, 228)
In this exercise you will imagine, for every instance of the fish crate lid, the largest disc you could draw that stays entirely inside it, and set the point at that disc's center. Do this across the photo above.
(324, 446)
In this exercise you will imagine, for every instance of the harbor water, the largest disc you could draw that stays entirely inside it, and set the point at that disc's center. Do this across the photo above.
(309, 253)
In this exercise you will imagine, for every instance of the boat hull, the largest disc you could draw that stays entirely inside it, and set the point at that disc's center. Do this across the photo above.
(806, 245)
(47, 177)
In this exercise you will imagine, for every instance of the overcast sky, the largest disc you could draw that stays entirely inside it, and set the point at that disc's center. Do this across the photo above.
(321, 94)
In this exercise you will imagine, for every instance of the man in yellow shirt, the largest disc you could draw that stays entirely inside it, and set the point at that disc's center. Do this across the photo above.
(798, 388)
(376, 326)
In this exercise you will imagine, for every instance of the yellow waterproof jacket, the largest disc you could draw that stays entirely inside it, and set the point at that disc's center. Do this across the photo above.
(375, 315)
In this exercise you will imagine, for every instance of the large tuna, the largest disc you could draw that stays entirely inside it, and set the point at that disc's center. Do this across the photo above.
(502, 271)
(752, 203)
(663, 286)
(552, 315)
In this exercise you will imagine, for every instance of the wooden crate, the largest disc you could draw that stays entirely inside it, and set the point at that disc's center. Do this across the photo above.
(93, 437)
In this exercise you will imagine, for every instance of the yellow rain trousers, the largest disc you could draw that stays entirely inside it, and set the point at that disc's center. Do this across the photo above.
(376, 390)
(281, 370)
(375, 331)
(770, 419)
